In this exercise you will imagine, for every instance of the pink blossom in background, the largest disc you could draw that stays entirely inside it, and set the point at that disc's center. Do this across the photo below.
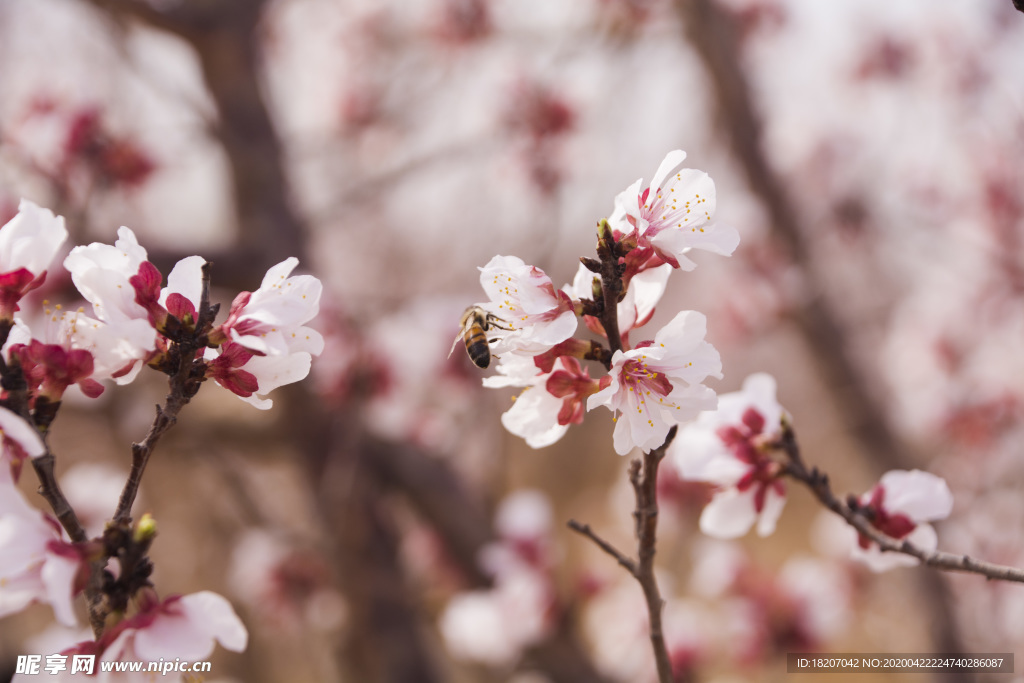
(494, 626)
(725, 447)
(285, 584)
(900, 506)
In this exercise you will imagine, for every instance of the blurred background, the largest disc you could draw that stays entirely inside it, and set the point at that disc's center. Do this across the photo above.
(870, 154)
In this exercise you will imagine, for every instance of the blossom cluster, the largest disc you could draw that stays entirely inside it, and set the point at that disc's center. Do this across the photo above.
(650, 385)
(735, 442)
(737, 449)
(263, 344)
(131, 320)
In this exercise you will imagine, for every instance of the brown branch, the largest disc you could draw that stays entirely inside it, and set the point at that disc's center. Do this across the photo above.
(184, 381)
(141, 452)
(51, 491)
(818, 483)
(225, 37)
(645, 485)
(585, 530)
(13, 382)
(611, 285)
(643, 475)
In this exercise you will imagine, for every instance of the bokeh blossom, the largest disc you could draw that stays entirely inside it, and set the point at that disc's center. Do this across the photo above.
(729, 447)
(28, 244)
(900, 506)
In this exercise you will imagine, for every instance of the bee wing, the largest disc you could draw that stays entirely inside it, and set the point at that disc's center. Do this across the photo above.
(455, 342)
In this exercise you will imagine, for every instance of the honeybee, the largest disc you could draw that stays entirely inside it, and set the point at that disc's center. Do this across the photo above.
(475, 322)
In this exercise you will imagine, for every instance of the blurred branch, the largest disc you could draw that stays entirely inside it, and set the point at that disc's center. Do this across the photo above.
(440, 496)
(225, 37)
(713, 35)
(818, 483)
(584, 530)
(348, 465)
(186, 370)
(370, 188)
(386, 642)
(185, 17)
(643, 475)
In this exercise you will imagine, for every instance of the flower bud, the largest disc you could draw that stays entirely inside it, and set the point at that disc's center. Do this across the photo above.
(145, 529)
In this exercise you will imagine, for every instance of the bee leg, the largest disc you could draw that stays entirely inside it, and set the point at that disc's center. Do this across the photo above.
(493, 321)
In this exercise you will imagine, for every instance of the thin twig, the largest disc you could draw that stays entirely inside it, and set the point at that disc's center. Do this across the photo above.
(818, 483)
(643, 475)
(183, 383)
(585, 530)
(13, 382)
(611, 285)
(645, 485)
(51, 491)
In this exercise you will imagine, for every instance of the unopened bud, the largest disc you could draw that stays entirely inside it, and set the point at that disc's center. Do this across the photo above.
(596, 290)
(145, 529)
(605, 242)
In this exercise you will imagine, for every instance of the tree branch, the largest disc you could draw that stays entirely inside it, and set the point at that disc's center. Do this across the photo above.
(184, 381)
(585, 530)
(51, 491)
(611, 285)
(818, 483)
(643, 475)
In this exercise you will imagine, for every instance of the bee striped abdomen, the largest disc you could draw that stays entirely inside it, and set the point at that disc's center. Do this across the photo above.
(475, 323)
(476, 346)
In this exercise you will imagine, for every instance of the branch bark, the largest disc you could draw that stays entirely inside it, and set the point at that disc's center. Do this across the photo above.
(225, 37)
(819, 485)
(643, 475)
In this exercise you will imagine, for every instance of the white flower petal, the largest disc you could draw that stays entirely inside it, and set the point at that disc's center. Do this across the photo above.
(922, 496)
(58, 576)
(534, 417)
(770, 513)
(730, 514)
(186, 278)
(21, 433)
(669, 165)
(31, 239)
